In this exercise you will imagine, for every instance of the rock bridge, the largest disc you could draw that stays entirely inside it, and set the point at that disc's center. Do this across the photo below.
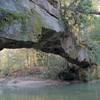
(38, 24)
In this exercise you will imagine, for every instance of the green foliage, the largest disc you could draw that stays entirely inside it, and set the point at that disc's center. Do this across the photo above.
(77, 22)
(95, 38)
(81, 24)
(85, 5)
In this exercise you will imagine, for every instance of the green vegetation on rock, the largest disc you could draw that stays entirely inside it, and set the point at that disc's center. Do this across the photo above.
(7, 17)
(37, 22)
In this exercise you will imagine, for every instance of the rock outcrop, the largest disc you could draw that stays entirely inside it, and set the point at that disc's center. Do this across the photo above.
(38, 24)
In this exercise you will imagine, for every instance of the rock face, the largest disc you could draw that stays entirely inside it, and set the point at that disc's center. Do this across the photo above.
(37, 24)
(24, 19)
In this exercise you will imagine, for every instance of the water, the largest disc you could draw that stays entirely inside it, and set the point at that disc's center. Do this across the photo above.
(86, 91)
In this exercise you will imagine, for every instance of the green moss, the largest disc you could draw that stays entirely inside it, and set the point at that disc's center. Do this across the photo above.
(37, 22)
(7, 17)
(28, 19)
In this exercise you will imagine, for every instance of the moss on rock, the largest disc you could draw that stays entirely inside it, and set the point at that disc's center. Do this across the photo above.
(37, 22)
(7, 17)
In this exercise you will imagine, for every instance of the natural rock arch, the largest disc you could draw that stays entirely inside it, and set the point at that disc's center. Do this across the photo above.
(35, 24)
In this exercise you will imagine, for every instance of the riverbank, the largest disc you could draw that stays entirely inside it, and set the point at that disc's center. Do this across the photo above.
(31, 82)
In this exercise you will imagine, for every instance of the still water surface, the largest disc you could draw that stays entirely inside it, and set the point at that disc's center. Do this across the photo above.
(87, 91)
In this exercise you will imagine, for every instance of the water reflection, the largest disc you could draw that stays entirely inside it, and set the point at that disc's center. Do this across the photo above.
(67, 92)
